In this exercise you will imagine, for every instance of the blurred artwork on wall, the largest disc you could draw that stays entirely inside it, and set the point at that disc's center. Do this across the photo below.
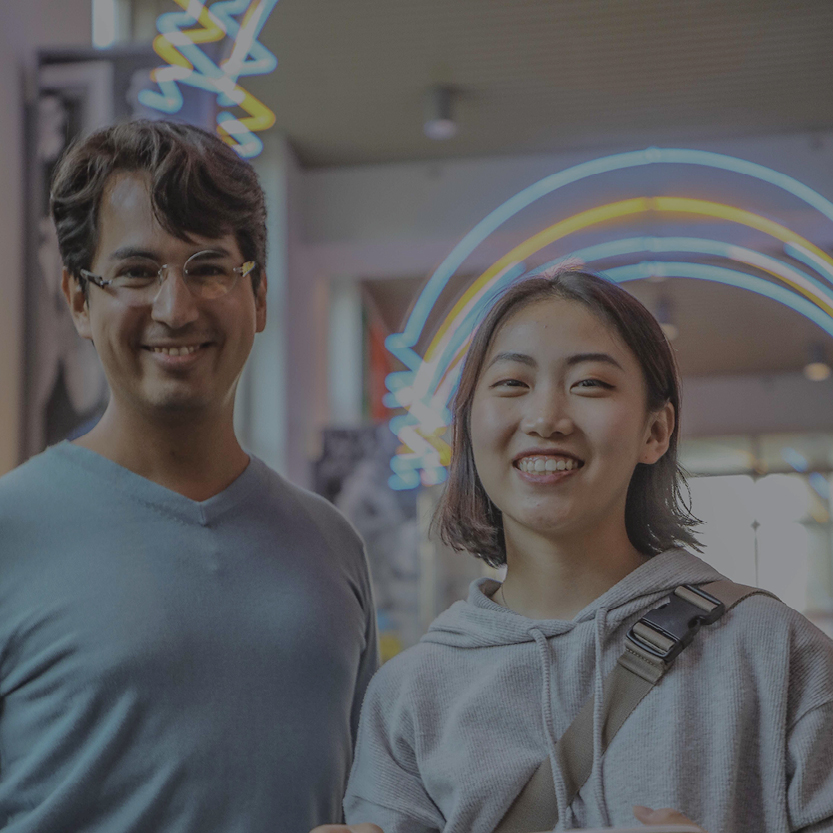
(77, 92)
(353, 473)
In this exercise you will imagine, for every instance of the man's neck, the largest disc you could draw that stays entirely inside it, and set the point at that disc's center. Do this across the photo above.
(196, 457)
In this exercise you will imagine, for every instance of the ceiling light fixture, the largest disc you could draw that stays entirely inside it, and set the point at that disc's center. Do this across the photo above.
(817, 369)
(439, 117)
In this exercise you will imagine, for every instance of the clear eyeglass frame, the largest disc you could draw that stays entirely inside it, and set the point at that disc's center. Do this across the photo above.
(206, 285)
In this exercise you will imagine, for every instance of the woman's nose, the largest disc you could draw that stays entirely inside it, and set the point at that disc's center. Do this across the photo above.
(547, 415)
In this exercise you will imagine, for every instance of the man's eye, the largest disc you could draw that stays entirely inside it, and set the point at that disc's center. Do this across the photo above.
(137, 272)
(208, 270)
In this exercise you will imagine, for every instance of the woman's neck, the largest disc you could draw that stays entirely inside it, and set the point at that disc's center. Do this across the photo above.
(555, 578)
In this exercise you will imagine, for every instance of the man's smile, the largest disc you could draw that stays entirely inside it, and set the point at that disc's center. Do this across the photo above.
(177, 356)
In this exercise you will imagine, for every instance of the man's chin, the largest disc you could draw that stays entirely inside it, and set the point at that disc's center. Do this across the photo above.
(170, 403)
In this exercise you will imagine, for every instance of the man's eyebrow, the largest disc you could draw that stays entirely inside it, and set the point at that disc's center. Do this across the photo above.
(520, 358)
(214, 251)
(579, 358)
(126, 252)
(132, 251)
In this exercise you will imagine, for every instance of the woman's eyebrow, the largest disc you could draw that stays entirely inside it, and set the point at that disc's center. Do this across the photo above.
(521, 358)
(579, 358)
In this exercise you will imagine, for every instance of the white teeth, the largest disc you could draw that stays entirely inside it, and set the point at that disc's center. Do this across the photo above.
(176, 351)
(547, 464)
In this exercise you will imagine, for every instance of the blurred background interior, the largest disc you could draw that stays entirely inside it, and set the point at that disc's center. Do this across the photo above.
(400, 145)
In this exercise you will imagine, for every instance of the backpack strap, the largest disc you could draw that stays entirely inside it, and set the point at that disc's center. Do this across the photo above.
(651, 647)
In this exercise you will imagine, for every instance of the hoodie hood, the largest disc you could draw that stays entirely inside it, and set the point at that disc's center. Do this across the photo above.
(479, 622)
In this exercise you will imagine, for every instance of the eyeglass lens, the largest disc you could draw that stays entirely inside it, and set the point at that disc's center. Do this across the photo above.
(206, 274)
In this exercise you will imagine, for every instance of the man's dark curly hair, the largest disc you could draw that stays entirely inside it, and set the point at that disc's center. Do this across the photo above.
(198, 186)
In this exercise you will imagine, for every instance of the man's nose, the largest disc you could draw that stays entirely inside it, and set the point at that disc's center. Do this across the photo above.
(174, 304)
(548, 414)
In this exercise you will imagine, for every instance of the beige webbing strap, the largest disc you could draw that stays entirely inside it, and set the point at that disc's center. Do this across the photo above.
(534, 808)
(635, 674)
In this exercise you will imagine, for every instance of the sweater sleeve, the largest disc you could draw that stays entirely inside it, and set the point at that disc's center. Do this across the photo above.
(369, 662)
(385, 786)
(810, 771)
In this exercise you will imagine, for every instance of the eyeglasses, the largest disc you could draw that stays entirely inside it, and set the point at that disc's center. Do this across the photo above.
(208, 275)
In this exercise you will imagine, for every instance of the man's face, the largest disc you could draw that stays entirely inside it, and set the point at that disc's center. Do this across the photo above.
(176, 352)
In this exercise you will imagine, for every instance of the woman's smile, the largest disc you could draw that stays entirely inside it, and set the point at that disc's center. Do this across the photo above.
(546, 468)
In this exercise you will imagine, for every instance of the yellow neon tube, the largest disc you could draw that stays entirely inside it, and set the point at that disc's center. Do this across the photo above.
(639, 205)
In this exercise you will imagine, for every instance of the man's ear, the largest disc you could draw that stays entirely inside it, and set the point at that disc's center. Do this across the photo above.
(76, 299)
(260, 304)
(660, 429)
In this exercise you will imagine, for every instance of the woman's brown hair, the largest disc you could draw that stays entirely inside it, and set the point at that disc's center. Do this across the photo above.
(657, 516)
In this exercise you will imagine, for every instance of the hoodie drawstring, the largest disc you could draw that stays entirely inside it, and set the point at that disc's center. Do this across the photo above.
(598, 724)
(598, 720)
(546, 713)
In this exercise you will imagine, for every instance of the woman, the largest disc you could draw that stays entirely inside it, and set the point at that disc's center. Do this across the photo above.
(565, 469)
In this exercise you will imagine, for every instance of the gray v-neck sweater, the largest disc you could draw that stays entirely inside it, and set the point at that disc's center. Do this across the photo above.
(172, 665)
(738, 735)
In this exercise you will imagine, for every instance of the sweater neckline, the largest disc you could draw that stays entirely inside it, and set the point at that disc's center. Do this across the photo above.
(143, 490)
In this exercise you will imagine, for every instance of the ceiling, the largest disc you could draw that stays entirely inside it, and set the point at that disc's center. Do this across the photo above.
(537, 75)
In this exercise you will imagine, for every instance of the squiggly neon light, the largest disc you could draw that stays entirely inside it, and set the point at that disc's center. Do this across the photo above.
(425, 389)
(188, 64)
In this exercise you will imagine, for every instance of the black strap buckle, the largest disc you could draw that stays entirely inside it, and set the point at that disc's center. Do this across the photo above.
(664, 631)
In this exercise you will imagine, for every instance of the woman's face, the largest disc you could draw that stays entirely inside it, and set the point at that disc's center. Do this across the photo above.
(559, 421)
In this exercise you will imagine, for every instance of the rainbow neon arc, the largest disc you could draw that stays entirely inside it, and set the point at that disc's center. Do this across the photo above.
(801, 281)
(181, 35)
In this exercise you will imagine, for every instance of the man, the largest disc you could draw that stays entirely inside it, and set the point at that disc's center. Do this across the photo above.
(185, 637)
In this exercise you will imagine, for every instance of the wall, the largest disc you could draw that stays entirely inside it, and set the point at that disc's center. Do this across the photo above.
(756, 404)
(24, 28)
(282, 399)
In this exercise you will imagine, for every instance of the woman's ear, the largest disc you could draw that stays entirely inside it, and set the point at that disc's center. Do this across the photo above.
(73, 291)
(658, 434)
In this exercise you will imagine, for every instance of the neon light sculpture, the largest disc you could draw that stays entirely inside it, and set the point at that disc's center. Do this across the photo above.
(426, 388)
(188, 64)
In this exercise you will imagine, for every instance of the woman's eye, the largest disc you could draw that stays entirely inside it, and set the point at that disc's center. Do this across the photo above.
(509, 383)
(593, 383)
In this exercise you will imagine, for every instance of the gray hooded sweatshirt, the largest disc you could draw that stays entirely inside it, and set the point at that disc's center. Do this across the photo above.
(738, 735)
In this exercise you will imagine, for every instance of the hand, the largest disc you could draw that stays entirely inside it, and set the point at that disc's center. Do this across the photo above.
(344, 828)
(664, 816)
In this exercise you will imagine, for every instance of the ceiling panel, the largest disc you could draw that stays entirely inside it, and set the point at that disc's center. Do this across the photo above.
(541, 76)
